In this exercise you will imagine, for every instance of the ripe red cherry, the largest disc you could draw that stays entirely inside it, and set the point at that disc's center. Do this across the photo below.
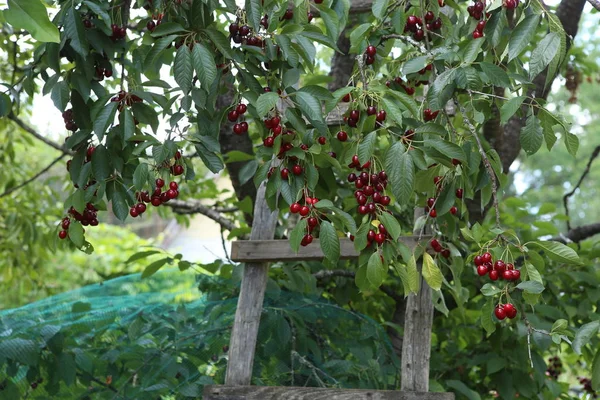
(459, 193)
(65, 223)
(304, 211)
(411, 20)
(342, 136)
(494, 275)
(436, 245)
(371, 235)
(500, 312)
(478, 260)
(481, 270)
(354, 114)
(171, 194)
(516, 274)
(285, 174)
(430, 202)
(446, 253)
(297, 169)
(160, 183)
(177, 170)
(312, 222)
(237, 129)
(362, 210)
(385, 200)
(507, 275)
(481, 25)
(156, 201)
(381, 115)
(295, 208)
(510, 4)
(453, 210)
(487, 257)
(173, 185)
(419, 35)
(380, 238)
(500, 266)
(322, 140)
(477, 34)
(478, 6)
(133, 212)
(433, 213)
(232, 115)
(269, 141)
(141, 208)
(306, 240)
(510, 310)
(371, 51)
(244, 30)
(62, 234)
(429, 16)
(371, 110)
(510, 267)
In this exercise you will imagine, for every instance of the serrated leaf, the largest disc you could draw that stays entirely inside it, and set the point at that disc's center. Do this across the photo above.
(266, 102)
(522, 35)
(391, 225)
(204, 65)
(379, 8)
(571, 142)
(311, 108)
(253, 12)
(375, 270)
(154, 267)
(558, 252)
(414, 65)
(75, 32)
(220, 41)
(167, 28)
(140, 176)
(431, 272)
(61, 95)
(472, 50)
(543, 53)
(407, 102)
(393, 112)
(532, 135)
(490, 289)
(330, 242)
(448, 149)
(297, 234)
(367, 147)
(100, 163)
(431, 128)
(358, 35)
(509, 108)
(119, 203)
(104, 119)
(531, 287)
(584, 335)
(154, 54)
(401, 172)
(76, 234)
(496, 75)
(31, 15)
(183, 70)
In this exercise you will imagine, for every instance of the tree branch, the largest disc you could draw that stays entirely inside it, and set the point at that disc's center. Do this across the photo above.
(330, 273)
(37, 135)
(595, 4)
(195, 207)
(34, 177)
(578, 234)
(594, 155)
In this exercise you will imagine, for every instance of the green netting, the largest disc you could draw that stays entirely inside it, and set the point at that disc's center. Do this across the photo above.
(166, 337)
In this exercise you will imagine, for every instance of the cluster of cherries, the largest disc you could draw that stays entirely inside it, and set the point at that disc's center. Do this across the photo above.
(243, 34)
(310, 213)
(118, 32)
(354, 115)
(495, 270)
(177, 168)
(125, 98)
(274, 125)
(435, 245)
(87, 23)
(414, 24)
(437, 180)
(233, 115)
(370, 54)
(70, 125)
(400, 82)
(102, 73)
(368, 187)
(507, 310)
(587, 386)
(429, 115)
(160, 196)
(151, 25)
(554, 367)
(89, 216)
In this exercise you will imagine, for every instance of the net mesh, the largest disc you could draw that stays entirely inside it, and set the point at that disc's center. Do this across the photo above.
(167, 336)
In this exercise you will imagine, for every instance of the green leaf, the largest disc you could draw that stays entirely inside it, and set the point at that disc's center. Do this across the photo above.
(104, 119)
(311, 108)
(367, 147)
(489, 289)
(414, 65)
(162, 152)
(167, 28)
(76, 234)
(543, 53)
(448, 149)
(253, 12)
(463, 389)
(431, 272)
(375, 270)
(119, 203)
(531, 287)
(401, 171)
(220, 41)
(571, 142)
(100, 163)
(584, 335)
(393, 112)
(266, 102)
(407, 101)
(205, 66)
(183, 70)
(128, 124)
(522, 35)
(5, 105)
(330, 242)
(558, 252)
(21, 350)
(154, 267)
(31, 15)
(559, 326)
(472, 50)
(532, 135)
(140, 176)
(391, 224)
(510, 108)
(297, 234)
(75, 32)
(496, 75)
(141, 254)
(431, 128)
(379, 8)
(487, 321)
(414, 280)
(154, 54)
(358, 35)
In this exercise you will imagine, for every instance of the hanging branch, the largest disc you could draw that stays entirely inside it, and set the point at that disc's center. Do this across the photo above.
(37, 135)
(594, 155)
(484, 158)
(33, 178)
(595, 4)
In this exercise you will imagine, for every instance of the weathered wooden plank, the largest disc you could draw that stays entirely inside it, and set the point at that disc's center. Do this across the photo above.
(416, 345)
(306, 393)
(250, 302)
(279, 250)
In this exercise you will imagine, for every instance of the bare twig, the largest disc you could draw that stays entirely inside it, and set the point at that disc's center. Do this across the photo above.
(34, 177)
(406, 39)
(37, 135)
(195, 207)
(224, 245)
(484, 158)
(594, 155)
(595, 4)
